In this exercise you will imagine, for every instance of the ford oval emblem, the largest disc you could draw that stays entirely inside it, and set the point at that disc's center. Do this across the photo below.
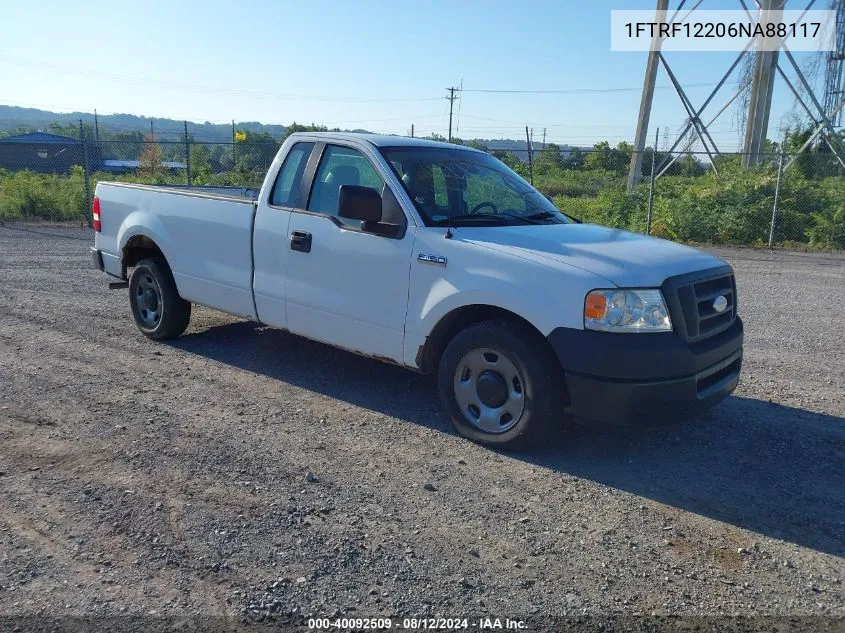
(720, 303)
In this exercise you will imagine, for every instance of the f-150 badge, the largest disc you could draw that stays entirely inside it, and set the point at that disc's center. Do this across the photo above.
(437, 260)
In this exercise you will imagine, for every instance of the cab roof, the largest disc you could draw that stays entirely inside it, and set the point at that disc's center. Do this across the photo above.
(381, 140)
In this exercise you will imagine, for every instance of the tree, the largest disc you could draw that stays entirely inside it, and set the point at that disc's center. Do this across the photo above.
(72, 130)
(829, 227)
(124, 137)
(477, 145)
(575, 160)
(604, 157)
(816, 161)
(17, 131)
(295, 127)
(508, 158)
(150, 159)
(548, 159)
(257, 149)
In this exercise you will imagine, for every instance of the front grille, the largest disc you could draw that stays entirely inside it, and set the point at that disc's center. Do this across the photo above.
(691, 299)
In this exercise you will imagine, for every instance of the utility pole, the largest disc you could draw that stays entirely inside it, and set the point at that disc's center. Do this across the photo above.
(544, 138)
(651, 183)
(530, 158)
(531, 149)
(86, 166)
(635, 171)
(412, 130)
(187, 155)
(96, 127)
(152, 131)
(777, 196)
(451, 99)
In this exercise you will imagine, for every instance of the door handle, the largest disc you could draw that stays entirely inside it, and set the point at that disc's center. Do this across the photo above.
(300, 241)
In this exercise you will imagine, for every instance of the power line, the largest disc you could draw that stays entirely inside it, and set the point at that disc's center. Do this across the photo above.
(188, 87)
(578, 90)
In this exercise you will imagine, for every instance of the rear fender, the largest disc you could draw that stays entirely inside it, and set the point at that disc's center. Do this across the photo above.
(145, 224)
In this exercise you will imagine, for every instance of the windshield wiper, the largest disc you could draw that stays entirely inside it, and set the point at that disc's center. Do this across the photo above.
(542, 215)
(486, 217)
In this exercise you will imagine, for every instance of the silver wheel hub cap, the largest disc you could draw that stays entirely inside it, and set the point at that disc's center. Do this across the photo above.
(489, 390)
(148, 301)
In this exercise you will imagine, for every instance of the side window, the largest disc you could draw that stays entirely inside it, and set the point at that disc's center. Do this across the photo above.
(426, 184)
(286, 188)
(341, 166)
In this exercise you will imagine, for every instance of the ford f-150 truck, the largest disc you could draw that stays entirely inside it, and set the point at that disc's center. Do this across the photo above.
(441, 259)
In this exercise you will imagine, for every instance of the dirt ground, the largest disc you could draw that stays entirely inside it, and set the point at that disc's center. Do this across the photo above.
(245, 473)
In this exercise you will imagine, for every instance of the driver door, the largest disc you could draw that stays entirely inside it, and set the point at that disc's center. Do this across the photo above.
(344, 286)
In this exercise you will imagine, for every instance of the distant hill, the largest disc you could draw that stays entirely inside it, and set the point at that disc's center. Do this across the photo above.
(14, 118)
(517, 146)
(17, 119)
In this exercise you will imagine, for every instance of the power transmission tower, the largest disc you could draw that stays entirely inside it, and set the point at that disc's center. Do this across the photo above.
(766, 65)
(834, 77)
(635, 170)
(451, 99)
(763, 84)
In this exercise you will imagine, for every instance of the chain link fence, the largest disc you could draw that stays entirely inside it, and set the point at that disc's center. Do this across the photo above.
(784, 200)
(45, 179)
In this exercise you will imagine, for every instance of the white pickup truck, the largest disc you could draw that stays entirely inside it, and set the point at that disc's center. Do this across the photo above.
(437, 258)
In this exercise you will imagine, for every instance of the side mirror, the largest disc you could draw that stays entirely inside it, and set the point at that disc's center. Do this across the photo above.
(359, 203)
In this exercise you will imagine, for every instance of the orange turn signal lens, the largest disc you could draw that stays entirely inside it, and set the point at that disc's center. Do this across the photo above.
(595, 306)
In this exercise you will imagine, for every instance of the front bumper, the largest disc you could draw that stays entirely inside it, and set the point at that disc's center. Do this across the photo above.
(638, 377)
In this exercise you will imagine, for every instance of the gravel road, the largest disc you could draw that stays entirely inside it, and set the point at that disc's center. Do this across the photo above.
(253, 475)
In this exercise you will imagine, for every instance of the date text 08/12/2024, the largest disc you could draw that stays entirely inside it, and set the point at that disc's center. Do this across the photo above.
(445, 624)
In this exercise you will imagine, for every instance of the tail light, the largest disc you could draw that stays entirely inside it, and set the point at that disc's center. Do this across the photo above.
(95, 211)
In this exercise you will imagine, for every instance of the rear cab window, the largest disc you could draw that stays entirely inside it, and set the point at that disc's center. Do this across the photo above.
(286, 189)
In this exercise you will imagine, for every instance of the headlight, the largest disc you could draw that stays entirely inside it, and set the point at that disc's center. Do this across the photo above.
(626, 310)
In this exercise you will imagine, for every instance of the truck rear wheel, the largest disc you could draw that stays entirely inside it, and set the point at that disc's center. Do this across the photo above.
(499, 383)
(159, 312)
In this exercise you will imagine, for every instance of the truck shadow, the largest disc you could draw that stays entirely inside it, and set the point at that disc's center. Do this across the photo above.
(756, 465)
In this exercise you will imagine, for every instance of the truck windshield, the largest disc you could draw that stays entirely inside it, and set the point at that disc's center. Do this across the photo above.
(468, 188)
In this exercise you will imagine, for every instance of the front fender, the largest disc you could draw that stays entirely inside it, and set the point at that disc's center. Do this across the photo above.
(444, 298)
(546, 296)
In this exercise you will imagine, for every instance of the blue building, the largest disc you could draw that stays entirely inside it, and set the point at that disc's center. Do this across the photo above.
(44, 153)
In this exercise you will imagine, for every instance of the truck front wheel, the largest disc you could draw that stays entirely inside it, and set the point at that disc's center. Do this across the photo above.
(159, 312)
(499, 381)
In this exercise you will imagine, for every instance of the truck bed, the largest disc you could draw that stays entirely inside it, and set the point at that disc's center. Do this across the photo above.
(222, 192)
(205, 233)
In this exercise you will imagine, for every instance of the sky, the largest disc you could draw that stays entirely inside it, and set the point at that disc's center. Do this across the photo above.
(370, 64)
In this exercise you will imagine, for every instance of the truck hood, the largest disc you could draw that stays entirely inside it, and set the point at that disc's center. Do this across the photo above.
(623, 258)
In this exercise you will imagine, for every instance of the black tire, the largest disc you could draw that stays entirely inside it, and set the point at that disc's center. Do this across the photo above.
(539, 376)
(159, 312)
